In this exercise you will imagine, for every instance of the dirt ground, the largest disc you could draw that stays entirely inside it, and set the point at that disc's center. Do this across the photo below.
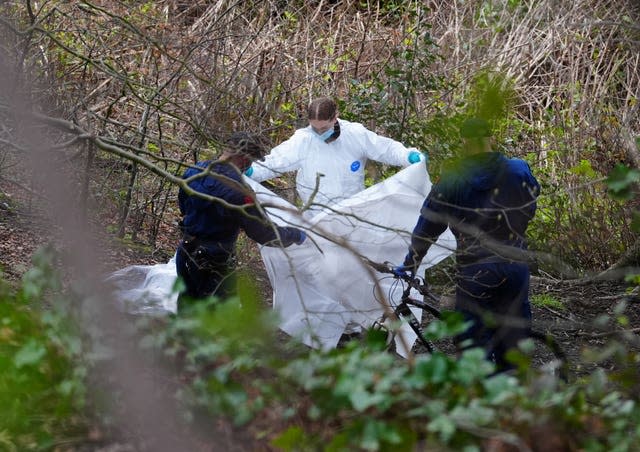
(590, 316)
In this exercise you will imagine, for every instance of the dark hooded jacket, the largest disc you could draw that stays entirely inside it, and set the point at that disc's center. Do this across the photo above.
(487, 200)
(216, 225)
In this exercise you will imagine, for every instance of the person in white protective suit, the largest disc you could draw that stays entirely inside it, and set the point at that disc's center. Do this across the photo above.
(330, 156)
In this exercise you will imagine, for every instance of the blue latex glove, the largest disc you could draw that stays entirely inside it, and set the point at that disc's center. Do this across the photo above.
(303, 237)
(402, 271)
(415, 157)
(249, 171)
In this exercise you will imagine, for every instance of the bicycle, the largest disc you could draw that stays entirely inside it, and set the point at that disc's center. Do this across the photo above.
(558, 364)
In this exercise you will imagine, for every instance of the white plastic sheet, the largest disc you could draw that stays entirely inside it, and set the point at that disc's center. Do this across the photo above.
(323, 285)
(146, 289)
(320, 288)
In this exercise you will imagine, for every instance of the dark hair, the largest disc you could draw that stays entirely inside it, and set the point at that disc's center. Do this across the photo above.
(475, 128)
(247, 144)
(322, 108)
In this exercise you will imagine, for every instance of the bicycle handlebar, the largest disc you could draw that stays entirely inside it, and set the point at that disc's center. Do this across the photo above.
(413, 281)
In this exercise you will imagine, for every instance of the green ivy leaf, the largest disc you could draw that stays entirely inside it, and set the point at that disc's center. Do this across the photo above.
(361, 399)
(444, 426)
(31, 353)
(290, 439)
(584, 168)
(620, 182)
(434, 369)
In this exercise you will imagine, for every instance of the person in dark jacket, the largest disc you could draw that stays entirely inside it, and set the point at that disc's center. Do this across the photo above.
(487, 200)
(205, 256)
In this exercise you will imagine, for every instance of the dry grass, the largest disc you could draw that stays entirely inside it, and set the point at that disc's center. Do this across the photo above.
(161, 79)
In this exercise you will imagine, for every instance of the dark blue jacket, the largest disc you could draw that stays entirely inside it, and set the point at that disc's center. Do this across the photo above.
(213, 222)
(487, 200)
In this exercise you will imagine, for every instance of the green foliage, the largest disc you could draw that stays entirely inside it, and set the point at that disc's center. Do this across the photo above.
(571, 208)
(286, 115)
(362, 397)
(238, 336)
(389, 99)
(491, 97)
(390, 8)
(585, 169)
(42, 389)
(546, 300)
(381, 404)
(621, 182)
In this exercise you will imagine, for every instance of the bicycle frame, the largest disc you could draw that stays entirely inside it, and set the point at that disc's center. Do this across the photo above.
(403, 311)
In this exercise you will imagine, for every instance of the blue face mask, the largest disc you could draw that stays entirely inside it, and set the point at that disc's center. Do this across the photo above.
(325, 135)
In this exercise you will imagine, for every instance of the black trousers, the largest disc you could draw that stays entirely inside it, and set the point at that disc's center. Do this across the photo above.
(205, 271)
(494, 298)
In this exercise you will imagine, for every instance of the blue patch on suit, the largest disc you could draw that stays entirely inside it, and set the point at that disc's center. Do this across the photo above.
(355, 166)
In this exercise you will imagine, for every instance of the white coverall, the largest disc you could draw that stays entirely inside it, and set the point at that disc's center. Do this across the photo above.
(341, 163)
